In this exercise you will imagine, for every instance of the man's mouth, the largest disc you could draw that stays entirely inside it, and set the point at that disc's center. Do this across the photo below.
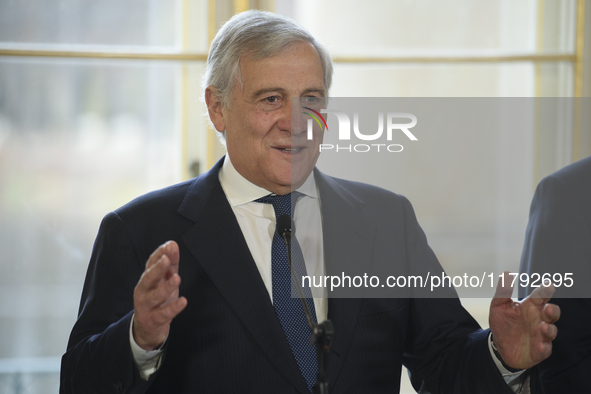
(291, 150)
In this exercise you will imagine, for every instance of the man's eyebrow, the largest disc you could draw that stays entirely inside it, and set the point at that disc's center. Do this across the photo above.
(282, 91)
(320, 91)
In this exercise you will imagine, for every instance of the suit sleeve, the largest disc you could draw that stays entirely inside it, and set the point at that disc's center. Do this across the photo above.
(99, 358)
(446, 351)
(558, 240)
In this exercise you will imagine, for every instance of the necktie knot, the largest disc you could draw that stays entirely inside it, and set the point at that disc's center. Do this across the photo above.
(282, 204)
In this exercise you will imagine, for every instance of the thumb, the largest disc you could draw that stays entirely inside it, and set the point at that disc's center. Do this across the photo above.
(504, 289)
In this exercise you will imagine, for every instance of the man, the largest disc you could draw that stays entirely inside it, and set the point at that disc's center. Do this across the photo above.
(558, 241)
(141, 330)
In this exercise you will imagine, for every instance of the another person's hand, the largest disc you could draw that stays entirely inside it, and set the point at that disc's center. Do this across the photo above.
(523, 331)
(156, 297)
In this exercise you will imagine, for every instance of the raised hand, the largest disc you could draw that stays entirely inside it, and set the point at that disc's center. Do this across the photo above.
(523, 331)
(156, 297)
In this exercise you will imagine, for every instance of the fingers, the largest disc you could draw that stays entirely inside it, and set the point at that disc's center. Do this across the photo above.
(170, 249)
(166, 313)
(544, 351)
(167, 292)
(163, 294)
(155, 274)
(549, 331)
(150, 332)
(163, 263)
(551, 313)
(156, 297)
(542, 294)
(160, 282)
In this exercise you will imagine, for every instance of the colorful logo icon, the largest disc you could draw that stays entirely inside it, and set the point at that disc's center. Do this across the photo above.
(316, 117)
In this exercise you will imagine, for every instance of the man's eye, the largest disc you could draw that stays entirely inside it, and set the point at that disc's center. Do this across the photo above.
(272, 99)
(312, 101)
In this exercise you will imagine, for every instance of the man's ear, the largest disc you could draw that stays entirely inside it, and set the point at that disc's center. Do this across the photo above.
(214, 108)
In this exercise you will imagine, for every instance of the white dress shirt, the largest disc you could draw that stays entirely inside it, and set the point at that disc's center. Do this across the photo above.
(257, 222)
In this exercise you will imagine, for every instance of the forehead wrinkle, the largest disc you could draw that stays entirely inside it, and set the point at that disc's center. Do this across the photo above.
(239, 80)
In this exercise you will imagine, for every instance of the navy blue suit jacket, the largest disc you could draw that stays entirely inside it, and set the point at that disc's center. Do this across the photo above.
(558, 240)
(229, 339)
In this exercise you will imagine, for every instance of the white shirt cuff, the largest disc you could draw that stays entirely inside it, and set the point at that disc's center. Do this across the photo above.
(514, 380)
(147, 361)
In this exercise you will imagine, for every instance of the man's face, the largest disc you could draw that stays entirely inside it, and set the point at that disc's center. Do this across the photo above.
(260, 140)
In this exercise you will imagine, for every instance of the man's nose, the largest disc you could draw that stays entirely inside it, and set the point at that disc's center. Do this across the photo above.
(292, 118)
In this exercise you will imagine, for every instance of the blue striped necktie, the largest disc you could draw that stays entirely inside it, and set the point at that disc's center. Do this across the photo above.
(289, 309)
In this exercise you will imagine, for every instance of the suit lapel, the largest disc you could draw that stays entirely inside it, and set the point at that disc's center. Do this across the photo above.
(347, 238)
(229, 264)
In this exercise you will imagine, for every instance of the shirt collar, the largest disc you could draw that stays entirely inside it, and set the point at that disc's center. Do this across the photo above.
(240, 190)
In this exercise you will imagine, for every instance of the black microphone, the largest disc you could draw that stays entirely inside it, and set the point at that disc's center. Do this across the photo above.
(284, 227)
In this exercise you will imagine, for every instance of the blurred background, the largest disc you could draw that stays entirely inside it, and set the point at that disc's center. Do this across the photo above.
(100, 103)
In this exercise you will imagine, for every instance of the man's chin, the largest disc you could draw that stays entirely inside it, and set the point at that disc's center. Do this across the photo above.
(293, 174)
(298, 178)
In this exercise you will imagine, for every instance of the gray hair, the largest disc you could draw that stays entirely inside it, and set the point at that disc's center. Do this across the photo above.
(261, 35)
